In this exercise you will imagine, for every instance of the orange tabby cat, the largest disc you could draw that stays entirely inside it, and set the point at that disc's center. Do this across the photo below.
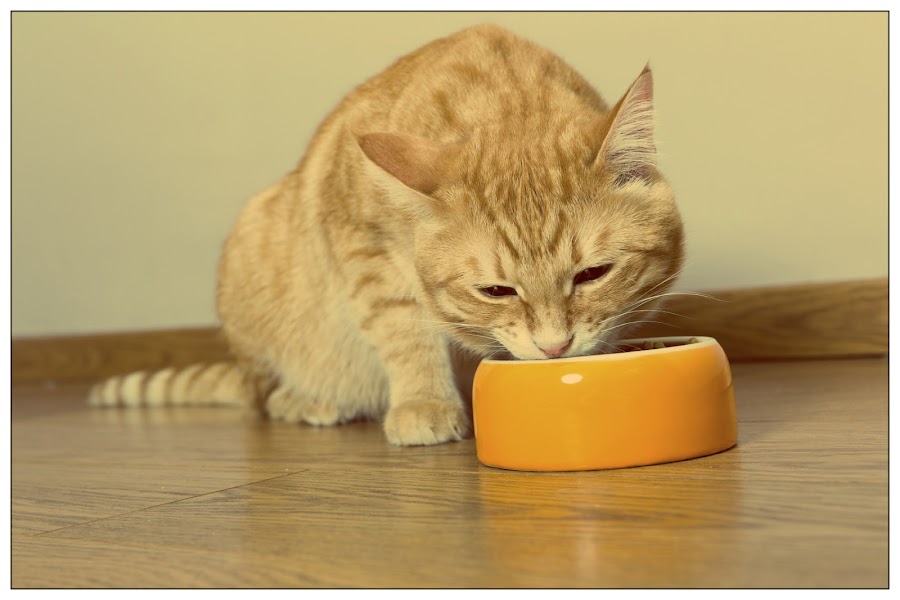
(478, 194)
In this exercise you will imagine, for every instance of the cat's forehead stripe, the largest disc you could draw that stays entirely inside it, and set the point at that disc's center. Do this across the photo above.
(576, 251)
(498, 266)
(474, 266)
(556, 236)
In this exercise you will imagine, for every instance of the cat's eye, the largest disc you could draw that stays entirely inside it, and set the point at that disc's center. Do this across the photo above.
(498, 291)
(592, 274)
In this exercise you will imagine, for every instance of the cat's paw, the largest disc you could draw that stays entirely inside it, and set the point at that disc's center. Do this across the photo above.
(287, 406)
(279, 403)
(426, 422)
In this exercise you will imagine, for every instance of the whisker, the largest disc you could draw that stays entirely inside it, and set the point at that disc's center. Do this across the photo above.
(441, 326)
(450, 323)
(663, 282)
(636, 323)
(667, 312)
(698, 294)
(613, 346)
(666, 280)
(427, 334)
(425, 331)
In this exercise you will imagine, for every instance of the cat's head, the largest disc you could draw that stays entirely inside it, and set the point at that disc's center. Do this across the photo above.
(546, 240)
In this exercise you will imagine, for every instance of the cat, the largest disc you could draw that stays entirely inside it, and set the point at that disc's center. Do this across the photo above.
(477, 198)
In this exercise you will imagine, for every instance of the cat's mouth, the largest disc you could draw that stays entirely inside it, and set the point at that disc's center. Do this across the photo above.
(600, 347)
(506, 354)
(496, 349)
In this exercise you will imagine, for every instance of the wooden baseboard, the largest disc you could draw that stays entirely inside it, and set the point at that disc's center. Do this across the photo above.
(822, 320)
(93, 357)
(764, 323)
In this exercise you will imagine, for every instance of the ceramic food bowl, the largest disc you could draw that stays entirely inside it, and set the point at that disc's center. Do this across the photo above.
(627, 409)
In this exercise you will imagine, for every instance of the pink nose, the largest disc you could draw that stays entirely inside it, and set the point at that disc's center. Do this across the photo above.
(556, 350)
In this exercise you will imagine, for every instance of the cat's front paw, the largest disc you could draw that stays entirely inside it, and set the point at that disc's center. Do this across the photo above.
(426, 422)
(286, 405)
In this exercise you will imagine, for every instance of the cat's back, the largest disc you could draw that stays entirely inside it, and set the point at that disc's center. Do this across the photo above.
(479, 75)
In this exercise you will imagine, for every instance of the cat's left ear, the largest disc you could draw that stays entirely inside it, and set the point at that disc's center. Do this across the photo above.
(628, 149)
(421, 166)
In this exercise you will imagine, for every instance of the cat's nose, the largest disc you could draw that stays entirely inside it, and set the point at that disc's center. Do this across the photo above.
(556, 350)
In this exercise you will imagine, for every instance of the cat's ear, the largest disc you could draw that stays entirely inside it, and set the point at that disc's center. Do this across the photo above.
(628, 150)
(419, 164)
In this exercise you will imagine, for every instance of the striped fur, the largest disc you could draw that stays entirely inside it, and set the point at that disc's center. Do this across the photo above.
(352, 285)
(213, 384)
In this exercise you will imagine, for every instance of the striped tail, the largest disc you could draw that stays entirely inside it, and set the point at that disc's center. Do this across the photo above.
(207, 384)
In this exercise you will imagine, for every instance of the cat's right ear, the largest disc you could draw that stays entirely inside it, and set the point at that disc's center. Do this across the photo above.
(416, 167)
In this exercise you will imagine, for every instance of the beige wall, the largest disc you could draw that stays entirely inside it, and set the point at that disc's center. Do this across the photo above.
(136, 138)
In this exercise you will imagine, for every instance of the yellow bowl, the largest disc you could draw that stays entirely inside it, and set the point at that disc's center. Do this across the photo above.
(607, 411)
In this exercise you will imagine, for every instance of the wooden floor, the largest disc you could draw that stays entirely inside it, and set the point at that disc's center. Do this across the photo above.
(211, 498)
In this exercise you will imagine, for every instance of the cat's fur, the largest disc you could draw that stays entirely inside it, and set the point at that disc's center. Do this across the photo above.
(478, 160)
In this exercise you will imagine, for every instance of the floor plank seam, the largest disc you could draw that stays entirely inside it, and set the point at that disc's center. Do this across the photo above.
(131, 512)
